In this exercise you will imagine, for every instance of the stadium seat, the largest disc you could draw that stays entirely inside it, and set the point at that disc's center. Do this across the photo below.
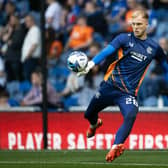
(24, 86)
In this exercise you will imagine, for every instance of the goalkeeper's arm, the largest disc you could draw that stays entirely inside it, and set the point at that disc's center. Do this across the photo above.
(97, 59)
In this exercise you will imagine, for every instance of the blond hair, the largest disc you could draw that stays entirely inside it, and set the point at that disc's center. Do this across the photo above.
(143, 13)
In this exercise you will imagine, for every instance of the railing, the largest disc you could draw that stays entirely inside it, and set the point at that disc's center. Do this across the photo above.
(116, 109)
(80, 108)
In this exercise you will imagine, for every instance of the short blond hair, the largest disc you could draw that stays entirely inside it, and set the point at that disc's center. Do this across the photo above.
(143, 13)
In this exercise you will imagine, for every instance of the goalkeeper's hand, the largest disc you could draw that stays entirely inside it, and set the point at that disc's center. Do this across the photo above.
(89, 66)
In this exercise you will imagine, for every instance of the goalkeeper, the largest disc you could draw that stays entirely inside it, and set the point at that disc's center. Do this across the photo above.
(123, 78)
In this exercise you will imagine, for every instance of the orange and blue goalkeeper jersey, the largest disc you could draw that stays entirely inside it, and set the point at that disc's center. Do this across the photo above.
(134, 57)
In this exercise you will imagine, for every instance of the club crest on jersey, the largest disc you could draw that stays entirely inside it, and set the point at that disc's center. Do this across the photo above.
(97, 95)
(149, 50)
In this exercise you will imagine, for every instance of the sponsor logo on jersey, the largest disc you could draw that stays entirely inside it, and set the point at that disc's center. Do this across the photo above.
(138, 56)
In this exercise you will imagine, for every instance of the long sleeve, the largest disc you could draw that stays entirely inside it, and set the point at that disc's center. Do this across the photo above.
(114, 45)
(103, 54)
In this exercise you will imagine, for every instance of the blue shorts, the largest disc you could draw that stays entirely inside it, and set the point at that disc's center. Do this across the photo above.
(109, 95)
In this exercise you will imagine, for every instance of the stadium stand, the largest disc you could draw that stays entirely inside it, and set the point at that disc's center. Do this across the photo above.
(104, 20)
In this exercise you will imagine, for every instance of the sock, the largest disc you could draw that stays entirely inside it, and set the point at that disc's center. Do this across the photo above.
(93, 126)
(114, 146)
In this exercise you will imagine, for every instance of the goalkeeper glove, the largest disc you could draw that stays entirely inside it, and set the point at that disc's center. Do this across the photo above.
(89, 66)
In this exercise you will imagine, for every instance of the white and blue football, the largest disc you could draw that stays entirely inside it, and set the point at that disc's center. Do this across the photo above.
(77, 61)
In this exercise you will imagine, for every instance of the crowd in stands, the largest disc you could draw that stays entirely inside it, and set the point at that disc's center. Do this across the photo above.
(71, 25)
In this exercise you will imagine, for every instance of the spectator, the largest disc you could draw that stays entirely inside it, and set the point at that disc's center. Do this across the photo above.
(73, 84)
(23, 7)
(116, 17)
(50, 36)
(81, 35)
(164, 88)
(55, 50)
(71, 93)
(54, 47)
(13, 53)
(5, 35)
(2, 15)
(67, 19)
(2, 73)
(10, 9)
(74, 8)
(34, 96)
(95, 18)
(4, 98)
(81, 3)
(34, 5)
(106, 5)
(164, 44)
(150, 89)
(161, 7)
(31, 49)
(54, 54)
(153, 23)
(53, 15)
(69, 16)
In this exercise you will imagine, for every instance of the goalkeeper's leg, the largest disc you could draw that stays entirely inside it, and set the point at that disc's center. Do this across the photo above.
(129, 112)
(91, 114)
(98, 102)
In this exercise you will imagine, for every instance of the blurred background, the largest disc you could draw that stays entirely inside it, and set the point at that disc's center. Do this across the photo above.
(71, 25)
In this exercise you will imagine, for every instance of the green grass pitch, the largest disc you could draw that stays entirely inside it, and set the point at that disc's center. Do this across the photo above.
(82, 159)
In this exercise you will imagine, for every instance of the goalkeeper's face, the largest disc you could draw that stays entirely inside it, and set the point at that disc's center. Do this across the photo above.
(139, 25)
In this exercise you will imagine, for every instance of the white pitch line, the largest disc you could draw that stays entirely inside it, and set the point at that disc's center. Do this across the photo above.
(78, 151)
(84, 163)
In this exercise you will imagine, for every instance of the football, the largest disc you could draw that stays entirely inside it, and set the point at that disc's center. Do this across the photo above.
(77, 61)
